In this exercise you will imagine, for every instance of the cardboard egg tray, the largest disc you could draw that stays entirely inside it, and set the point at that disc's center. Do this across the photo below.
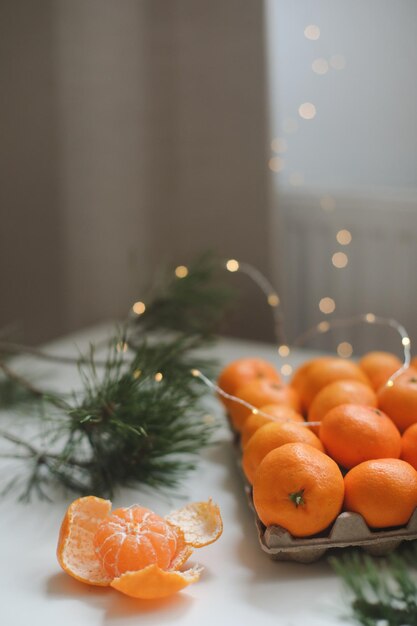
(348, 530)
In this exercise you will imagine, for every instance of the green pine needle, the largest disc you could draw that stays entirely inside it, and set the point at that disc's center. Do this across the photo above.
(123, 427)
(195, 304)
(383, 591)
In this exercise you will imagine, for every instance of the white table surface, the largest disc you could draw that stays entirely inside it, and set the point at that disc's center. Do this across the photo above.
(239, 585)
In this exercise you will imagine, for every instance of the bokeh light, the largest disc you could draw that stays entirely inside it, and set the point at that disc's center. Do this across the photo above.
(312, 32)
(340, 260)
(307, 111)
(327, 305)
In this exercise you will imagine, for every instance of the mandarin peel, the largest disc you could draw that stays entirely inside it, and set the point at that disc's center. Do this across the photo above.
(132, 549)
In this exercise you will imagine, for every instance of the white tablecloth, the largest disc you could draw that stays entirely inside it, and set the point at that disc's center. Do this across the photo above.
(239, 585)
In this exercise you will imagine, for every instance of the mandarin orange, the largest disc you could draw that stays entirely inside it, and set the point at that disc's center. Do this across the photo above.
(299, 488)
(324, 372)
(258, 393)
(134, 550)
(131, 538)
(379, 366)
(399, 400)
(340, 392)
(271, 436)
(409, 445)
(243, 371)
(300, 376)
(276, 413)
(383, 491)
(352, 433)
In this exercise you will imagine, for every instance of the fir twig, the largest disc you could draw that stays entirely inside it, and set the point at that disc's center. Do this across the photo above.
(383, 591)
(194, 304)
(123, 427)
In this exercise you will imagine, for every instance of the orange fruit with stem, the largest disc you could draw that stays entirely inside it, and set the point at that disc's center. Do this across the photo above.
(340, 392)
(134, 550)
(271, 436)
(299, 488)
(409, 445)
(399, 399)
(379, 366)
(353, 433)
(383, 491)
(275, 412)
(258, 393)
(243, 371)
(324, 372)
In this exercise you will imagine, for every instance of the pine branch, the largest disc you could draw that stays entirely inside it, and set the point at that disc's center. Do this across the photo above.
(124, 427)
(383, 591)
(194, 304)
(137, 418)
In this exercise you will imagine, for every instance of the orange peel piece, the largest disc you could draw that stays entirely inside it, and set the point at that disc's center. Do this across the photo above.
(76, 553)
(200, 522)
(195, 525)
(152, 582)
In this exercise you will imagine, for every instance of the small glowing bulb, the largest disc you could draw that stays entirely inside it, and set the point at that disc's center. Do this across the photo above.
(338, 62)
(340, 260)
(279, 145)
(283, 350)
(273, 300)
(138, 308)
(232, 265)
(286, 369)
(328, 203)
(405, 341)
(344, 237)
(307, 111)
(370, 317)
(276, 164)
(323, 327)
(195, 373)
(312, 32)
(158, 377)
(327, 305)
(255, 411)
(320, 66)
(390, 383)
(181, 271)
(137, 374)
(344, 349)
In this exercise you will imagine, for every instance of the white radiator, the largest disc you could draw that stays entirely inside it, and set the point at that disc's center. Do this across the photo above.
(380, 277)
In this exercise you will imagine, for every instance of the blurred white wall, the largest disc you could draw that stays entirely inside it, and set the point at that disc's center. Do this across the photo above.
(352, 166)
(364, 134)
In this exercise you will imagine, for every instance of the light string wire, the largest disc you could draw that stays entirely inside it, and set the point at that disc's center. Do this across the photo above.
(272, 297)
(254, 410)
(367, 318)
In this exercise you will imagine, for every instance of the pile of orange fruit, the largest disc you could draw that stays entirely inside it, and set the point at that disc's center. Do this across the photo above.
(341, 436)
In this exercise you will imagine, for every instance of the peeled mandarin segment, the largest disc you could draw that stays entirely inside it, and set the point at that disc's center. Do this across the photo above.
(200, 522)
(133, 538)
(76, 552)
(152, 582)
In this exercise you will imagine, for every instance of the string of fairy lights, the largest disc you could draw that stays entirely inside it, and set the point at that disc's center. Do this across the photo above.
(284, 350)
